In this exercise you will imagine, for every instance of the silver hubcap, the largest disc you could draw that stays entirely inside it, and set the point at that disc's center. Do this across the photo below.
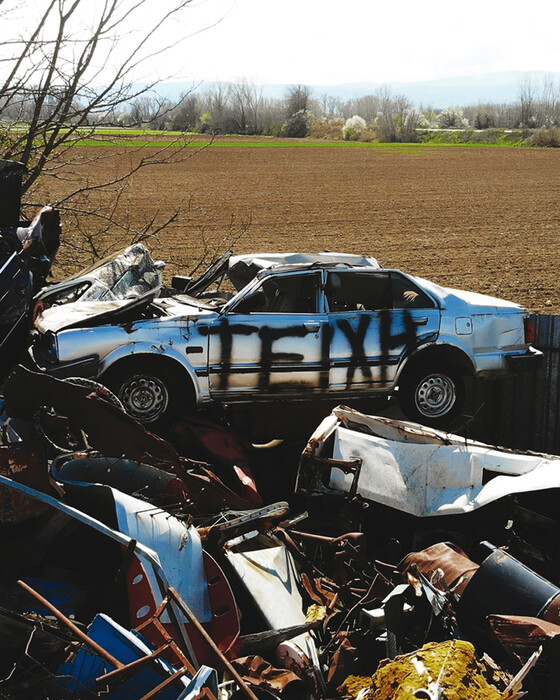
(435, 395)
(144, 398)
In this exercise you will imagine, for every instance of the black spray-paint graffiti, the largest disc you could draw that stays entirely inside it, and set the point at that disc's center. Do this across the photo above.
(356, 339)
(355, 334)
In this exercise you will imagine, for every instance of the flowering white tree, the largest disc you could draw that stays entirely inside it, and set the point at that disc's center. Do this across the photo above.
(452, 118)
(353, 128)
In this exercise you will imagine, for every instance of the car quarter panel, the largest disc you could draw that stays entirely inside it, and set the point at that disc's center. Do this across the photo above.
(490, 334)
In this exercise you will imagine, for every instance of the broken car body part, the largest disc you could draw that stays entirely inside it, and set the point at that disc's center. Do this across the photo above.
(269, 575)
(414, 469)
(156, 528)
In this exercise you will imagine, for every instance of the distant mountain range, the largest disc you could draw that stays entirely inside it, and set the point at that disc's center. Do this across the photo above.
(496, 88)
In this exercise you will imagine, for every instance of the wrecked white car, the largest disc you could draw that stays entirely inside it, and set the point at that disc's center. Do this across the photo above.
(301, 326)
(414, 469)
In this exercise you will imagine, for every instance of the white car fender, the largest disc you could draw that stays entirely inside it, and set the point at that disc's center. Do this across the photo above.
(153, 350)
(450, 342)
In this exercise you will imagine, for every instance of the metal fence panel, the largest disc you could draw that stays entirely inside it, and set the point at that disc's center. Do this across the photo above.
(522, 411)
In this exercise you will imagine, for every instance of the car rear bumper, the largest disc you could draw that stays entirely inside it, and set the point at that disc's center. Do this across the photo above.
(529, 361)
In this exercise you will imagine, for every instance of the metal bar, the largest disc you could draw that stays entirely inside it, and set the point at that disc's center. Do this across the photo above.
(211, 643)
(97, 648)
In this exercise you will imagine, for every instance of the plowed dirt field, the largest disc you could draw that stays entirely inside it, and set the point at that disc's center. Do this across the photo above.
(483, 219)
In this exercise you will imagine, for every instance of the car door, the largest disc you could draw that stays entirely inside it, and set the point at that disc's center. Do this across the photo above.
(375, 318)
(270, 342)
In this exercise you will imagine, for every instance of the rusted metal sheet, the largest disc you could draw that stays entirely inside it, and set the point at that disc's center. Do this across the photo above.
(523, 636)
(260, 673)
(445, 557)
(229, 452)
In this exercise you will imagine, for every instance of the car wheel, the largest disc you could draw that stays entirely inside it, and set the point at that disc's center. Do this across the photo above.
(432, 395)
(151, 394)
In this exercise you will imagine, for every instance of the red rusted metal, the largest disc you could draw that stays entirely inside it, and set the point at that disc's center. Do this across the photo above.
(260, 673)
(457, 568)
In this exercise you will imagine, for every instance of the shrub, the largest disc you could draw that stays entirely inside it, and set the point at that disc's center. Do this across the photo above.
(297, 126)
(549, 138)
(326, 128)
(484, 119)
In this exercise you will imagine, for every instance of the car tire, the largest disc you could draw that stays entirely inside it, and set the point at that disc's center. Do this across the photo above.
(432, 395)
(152, 393)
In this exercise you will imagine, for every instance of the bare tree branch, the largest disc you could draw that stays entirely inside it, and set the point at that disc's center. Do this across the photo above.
(81, 64)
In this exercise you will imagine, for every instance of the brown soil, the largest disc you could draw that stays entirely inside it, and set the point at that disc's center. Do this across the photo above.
(483, 219)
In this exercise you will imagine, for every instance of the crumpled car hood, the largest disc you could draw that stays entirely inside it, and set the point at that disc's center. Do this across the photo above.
(82, 314)
(70, 315)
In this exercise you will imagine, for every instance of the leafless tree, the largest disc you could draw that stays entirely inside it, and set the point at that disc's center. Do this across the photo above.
(246, 99)
(78, 65)
(526, 103)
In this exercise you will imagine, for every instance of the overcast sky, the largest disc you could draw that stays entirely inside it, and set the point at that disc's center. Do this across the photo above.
(330, 42)
(327, 42)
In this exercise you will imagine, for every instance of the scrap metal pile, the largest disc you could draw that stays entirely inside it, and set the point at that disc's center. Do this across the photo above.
(380, 560)
(135, 567)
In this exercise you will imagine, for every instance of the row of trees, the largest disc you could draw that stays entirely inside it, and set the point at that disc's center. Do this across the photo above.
(70, 65)
(241, 108)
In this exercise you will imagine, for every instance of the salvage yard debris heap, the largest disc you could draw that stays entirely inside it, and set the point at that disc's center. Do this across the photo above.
(135, 567)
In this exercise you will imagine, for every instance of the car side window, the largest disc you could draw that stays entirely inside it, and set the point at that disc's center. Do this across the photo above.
(351, 291)
(288, 294)
(406, 295)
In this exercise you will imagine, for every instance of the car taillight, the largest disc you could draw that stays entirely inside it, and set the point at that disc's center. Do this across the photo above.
(529, 331)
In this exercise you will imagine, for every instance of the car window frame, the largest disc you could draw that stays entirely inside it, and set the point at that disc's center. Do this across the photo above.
(382, 271)
(254, 285)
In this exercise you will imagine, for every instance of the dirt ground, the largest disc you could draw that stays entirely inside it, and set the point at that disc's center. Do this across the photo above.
(483, 219)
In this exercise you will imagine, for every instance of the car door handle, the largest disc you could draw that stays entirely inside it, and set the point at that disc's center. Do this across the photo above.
(312, 326)
(420, 320)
